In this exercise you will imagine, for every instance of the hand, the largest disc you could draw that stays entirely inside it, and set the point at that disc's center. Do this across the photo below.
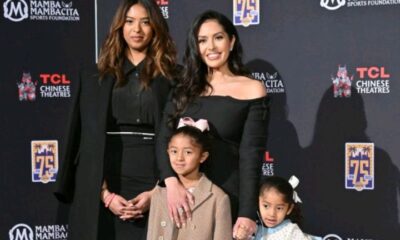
(244, 228)
(119, 205)
(141, 205)
(241, 233)
(178, 202)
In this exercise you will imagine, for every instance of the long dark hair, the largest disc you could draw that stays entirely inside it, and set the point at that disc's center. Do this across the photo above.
(194, 77)
(283, 186)
(161, 53)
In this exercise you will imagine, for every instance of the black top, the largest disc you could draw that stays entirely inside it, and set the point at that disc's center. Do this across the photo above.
(134, 105)
(239, 133)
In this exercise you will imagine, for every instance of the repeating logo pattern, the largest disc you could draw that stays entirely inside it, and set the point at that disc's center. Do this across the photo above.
(52, 85)
(26, 88)
(246, 12)
(373, 80)
(272, 82)
(332, 4)
(268, 165)
(342, 83)
(368, 80)
(22, 231)
(42, 10)
(15, 11)
(163, 4)
(332, 237)
(359, 168)
(44, 161)
(336, 4)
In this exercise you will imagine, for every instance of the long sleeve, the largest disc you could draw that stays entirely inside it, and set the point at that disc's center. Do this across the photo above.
(223, 220)
(252, 147)
(64, 188)
(162, 144)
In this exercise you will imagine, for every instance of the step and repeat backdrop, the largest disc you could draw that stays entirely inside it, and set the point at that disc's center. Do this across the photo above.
(331, 68)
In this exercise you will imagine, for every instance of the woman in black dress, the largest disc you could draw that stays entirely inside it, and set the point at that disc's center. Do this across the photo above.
(215, 86)
(109, 166)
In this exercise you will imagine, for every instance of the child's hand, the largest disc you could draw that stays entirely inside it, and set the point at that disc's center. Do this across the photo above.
(242, 233)
(244, 228)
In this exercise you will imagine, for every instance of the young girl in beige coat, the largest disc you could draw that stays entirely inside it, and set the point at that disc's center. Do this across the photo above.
(211, 214)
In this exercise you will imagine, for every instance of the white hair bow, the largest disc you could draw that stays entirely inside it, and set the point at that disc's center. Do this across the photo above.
(294, 181)
(201, 124)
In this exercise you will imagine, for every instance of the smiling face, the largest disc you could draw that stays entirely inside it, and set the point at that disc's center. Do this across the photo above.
(214, 44)
(273, 208)
(185, 155)
(137, 30)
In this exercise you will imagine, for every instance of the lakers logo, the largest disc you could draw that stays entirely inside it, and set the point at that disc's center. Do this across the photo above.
(246, 12)
(44, 161)
(359, 166)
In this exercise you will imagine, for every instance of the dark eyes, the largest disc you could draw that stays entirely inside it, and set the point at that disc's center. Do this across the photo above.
(218, 37)
(144, 22)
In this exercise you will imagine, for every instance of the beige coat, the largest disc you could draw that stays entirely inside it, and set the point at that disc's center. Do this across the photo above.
(211, 215)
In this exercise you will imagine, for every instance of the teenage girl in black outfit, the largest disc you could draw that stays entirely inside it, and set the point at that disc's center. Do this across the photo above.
(109, 166)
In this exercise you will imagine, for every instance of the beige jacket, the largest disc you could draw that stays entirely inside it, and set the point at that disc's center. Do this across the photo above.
(211, 215)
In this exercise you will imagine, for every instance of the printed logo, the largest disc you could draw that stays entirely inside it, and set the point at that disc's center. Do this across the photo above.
(163, 4)
(20, 231)
(268, 165)
(332, 4)
(359, 164)
(368, 80)
(336, 4)
(342, 83)
(332, 237)
(26, 88)
(41, 10)
(44, 160)
(373, 79)
(246, 12)
(272, 82)
(15, 11)
(51, 232)
(54, 85)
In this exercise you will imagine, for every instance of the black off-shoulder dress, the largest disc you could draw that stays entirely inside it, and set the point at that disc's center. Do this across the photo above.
(239, 132)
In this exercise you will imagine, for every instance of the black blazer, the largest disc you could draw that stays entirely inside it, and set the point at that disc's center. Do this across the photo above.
(80, 177)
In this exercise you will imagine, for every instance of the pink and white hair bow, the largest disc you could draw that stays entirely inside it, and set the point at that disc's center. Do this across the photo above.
(201, 124)
(294, 181)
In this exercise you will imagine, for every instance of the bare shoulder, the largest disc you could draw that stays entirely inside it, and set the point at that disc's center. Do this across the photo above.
(251, 88)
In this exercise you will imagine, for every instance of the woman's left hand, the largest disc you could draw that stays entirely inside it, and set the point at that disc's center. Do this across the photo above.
(244, 228)
(141, 203)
